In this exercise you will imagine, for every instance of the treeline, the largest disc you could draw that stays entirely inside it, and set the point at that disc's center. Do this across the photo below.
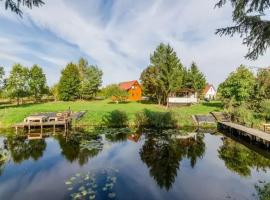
(246, 95)
(24, 82)
(167, 75)
(77, 81)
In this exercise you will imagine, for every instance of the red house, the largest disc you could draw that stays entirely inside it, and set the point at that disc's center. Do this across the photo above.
(133, 88)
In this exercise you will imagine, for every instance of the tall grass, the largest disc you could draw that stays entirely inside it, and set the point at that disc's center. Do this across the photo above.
(116, 119)
(148, 118)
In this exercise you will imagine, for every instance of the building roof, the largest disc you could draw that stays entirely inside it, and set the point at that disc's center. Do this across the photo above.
(207, 88)
(127, 85)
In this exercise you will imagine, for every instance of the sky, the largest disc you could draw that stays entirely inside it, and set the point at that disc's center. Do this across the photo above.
(120, 35)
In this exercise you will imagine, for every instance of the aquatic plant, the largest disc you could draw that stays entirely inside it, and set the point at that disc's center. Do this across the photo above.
(148, 118)
(90, 185)
(80, 147)
(263, 190)
(116, 119)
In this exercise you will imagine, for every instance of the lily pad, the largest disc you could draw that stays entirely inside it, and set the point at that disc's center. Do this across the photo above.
(68, 183)
(111, 195)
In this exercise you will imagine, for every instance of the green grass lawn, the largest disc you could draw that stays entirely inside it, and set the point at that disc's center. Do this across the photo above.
(11, 114)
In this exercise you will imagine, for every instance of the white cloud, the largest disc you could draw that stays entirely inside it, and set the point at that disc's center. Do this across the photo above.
(120, 38)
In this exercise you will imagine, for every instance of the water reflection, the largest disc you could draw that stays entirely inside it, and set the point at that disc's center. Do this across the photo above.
(163, 154)
(79, 147)
(22, 148)
(240, 159)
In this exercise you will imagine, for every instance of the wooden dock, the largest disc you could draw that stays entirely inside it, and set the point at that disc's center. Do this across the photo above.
(251, 133)
(48, 124)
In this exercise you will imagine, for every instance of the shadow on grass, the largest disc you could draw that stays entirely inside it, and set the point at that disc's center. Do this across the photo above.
(213, 104)
(25, 105)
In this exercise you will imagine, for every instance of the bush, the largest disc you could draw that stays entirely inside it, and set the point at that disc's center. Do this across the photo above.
(242, 115)
(266, 109)
(116, 119)
(152, 119)
(115, 93)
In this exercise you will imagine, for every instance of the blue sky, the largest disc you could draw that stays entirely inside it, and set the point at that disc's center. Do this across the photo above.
(119, 35)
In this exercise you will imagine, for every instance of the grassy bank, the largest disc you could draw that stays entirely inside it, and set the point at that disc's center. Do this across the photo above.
(11, 114)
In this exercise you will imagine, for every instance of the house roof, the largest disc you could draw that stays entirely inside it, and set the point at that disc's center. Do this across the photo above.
(127, 85)
(208, 86)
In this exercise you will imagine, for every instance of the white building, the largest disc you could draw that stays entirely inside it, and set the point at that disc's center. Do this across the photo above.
(210, 92)
(183, 97)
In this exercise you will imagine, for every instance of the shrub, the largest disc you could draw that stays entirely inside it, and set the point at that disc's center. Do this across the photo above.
(115, 93)
(149, 118)
(266, 109)
(116, 119)
(242, 115)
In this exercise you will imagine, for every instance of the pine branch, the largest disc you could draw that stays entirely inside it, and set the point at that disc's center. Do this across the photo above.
(14, 6)
(254, 31)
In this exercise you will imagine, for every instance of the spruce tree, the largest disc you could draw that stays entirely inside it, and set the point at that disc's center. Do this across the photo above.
(170, 70)
(69, 84)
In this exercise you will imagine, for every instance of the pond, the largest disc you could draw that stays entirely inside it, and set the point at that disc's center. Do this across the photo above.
(115, 165)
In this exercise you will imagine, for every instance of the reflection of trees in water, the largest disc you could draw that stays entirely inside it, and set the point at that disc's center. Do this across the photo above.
(4, 157)
(241, 159)
(23, 149)
(79, 147)
(163, 155)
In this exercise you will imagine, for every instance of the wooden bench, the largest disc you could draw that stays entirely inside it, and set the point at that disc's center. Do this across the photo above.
(266, 127)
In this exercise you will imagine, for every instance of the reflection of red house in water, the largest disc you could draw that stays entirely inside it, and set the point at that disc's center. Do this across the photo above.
(133, 88)
(134, 137)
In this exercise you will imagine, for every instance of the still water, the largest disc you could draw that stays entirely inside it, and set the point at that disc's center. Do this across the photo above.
(149, 165)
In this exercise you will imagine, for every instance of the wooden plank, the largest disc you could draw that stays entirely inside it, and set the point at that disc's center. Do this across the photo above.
(251, 131)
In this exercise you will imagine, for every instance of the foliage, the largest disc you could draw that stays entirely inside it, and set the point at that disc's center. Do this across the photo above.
(69, 84)
(54, 92)
(238, 86)
(91, 79)
(163, 155)
(261, 90)
(241, 159)
(148, 118)
(263, 191)
(17, 82)
(79, 146)
(266, 109)
(241, 114)
(168, 73)
(115, 92)
(15, 5)
(195, 79)
(150, 83)
(249, 24)
(21, 149)
(2, 73)
(37, 82)
(116, 119)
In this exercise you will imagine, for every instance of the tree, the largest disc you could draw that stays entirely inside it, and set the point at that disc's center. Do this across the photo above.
(168, 70)
(195, 79)
(15, 5)
(2, 74)
(115, 92)
(238, 86)
(54, 91)
(37, 82)
(17, 82)
(249, 24)
(69, 84)
(91, 79)
(261, 90)
(150, 83)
